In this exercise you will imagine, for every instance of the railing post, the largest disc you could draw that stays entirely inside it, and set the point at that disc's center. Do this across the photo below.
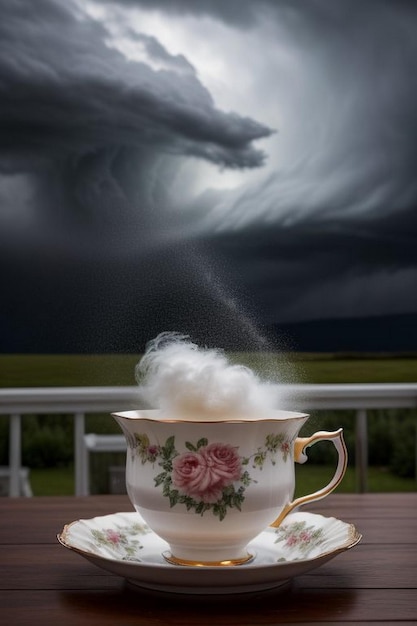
(15, 452)
(361, 450)
(79, 454)
(415, 450)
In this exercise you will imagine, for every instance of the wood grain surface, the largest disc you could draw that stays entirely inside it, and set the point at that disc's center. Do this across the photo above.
(42, 583)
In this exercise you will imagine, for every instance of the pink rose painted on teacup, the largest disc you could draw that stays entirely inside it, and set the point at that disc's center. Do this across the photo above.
(204, 474)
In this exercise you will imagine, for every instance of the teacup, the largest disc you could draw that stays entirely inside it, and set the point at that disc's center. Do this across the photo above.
(209, 487)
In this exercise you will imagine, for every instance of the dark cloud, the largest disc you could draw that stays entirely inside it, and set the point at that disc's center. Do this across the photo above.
(332, 231)
(233, 11)
(63, 89)
(91, 231)
(312, 271)
(90, 140)
(71, 108)
(312, 16)
(89, 144)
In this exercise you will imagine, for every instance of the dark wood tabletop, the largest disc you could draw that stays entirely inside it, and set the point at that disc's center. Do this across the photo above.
(43, 583)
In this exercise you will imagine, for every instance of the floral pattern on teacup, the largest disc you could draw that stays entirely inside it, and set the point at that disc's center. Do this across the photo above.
(122, 541)
(300, 537)
(207, 476)
(205, 473)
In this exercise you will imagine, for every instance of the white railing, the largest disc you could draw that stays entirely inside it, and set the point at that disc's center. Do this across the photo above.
(79, 401)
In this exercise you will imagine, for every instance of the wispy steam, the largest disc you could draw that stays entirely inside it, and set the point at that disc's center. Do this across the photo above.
(184, 380)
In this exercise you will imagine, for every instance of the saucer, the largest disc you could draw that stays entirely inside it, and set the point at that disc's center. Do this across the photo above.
(124, 545)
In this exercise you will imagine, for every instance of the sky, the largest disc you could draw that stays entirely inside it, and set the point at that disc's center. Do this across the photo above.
(209, 167)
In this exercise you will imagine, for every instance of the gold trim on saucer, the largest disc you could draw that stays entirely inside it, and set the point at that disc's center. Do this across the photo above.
(174, 560)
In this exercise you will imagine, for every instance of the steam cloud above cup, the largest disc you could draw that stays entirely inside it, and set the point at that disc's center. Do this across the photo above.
(186, 381)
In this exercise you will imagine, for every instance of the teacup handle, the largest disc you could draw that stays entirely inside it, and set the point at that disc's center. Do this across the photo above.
(301, 443)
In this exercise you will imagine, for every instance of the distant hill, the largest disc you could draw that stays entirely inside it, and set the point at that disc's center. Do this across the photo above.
(388, 333)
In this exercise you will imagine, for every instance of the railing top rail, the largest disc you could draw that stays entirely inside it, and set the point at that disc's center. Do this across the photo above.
(306, 396)
(67, 399)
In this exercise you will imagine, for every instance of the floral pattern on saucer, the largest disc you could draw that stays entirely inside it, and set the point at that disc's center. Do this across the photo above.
(118, 537)
(124, 545)
(121, 540)
(300, 536)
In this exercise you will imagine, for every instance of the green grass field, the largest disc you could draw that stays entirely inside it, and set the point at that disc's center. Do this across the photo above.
(118, 369)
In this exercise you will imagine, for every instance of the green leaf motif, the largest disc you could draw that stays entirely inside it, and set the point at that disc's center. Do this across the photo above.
(273, 442)
(160, 479)
(142, 440)
(237, 503)
(168, 450)
(187, 500)
(173, 497)
(166, 486)
(259, 459)
(220, 510)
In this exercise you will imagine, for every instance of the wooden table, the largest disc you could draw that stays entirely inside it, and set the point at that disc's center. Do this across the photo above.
(43, 583)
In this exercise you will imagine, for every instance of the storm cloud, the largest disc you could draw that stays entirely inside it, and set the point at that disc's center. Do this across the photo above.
(64, 89)
(75, 114)
(196, 165)
(330, 230)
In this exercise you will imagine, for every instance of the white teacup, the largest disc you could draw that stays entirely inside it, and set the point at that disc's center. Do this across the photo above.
(209, 487)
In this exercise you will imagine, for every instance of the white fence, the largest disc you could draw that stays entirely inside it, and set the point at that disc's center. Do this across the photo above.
(79, 401)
